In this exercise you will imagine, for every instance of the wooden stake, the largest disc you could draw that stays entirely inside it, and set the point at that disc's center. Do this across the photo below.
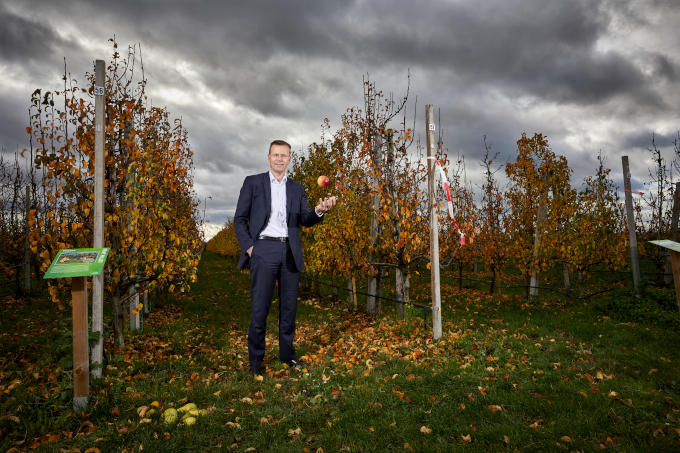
(354, 292)
(675, 264)
(674, 230)
(81, 363)
(434, 225)
(630, 220)
(98, 239)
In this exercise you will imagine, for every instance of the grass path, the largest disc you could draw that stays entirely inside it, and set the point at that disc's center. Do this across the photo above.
(504, 377)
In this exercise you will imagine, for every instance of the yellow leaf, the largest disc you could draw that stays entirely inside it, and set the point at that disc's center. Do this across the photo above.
(566, 439)
(466, 438)
(425, 430)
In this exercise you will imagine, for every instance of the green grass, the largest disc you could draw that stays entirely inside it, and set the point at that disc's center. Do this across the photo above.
(506, 376)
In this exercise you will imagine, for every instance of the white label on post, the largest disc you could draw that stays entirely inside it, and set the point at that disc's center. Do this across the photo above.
(98, 128)
(431, 126)
(98, 91)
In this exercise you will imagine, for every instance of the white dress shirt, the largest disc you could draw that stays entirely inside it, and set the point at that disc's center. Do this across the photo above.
(277, 225)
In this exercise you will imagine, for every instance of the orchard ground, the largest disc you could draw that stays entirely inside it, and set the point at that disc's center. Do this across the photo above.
(507, 375)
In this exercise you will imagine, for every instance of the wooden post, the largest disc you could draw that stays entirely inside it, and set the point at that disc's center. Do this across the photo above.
(630, 221)
(675, 264)
(434, 225)
(27, 248)
(98, 239)
(674, 230)
(81, 363)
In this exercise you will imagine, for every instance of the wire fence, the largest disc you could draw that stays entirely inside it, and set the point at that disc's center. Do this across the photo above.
(390, 299)
(567, 294)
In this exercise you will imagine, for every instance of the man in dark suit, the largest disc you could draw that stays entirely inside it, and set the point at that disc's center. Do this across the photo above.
(270, 211)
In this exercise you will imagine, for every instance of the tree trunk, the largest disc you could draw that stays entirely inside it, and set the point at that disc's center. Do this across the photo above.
(579, 278)
(402, 285)
(474, 267)
(540, 219)
(371, 291)
(378, 292)
(133, 298)
(27, 248)
(118, 319)
(460, 275)
(567, 283)
(350, 293)
(493, 280)
(527, 289)
(375, 227)
(336, 290)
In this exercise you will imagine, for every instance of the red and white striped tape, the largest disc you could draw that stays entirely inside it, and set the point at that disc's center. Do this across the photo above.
(449, 202)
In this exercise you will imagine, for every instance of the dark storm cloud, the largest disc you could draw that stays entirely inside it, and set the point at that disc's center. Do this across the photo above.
(242, 73)
(13, 120)
(25, 39)
(642, 140)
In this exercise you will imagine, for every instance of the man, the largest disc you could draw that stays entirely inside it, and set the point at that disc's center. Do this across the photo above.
(270, 211)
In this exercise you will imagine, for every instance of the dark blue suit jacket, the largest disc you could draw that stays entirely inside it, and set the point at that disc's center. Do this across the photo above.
(253, 210)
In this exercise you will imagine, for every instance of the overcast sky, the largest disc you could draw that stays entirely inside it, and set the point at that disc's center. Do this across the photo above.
(591, 75)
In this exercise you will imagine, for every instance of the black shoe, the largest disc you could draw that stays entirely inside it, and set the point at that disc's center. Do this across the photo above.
(294, 363)
(255, 370)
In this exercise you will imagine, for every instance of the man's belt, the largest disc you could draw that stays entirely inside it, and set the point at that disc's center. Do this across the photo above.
(271, 238)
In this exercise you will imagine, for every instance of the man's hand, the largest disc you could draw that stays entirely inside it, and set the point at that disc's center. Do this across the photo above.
(250, 251)
(325, 204)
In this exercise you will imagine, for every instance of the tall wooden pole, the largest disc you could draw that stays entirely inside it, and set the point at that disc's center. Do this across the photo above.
(434, 225)
(81, 363)
(630, 220)
(674, 230)
(98, 240)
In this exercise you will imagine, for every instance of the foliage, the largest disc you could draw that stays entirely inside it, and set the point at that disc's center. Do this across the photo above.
(537, 177)
(225, 242)
(151, 220)
(337, 245)
(595, 230)
(13, 225)
(509, 374)
(493, 238)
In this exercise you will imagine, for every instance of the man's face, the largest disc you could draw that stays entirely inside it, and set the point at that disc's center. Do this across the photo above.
(279, 158)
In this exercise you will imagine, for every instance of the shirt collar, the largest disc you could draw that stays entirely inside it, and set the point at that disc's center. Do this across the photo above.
(273, 179)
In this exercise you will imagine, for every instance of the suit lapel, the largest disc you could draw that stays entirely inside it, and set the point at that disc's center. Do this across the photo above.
(267, 186)
(289, 197)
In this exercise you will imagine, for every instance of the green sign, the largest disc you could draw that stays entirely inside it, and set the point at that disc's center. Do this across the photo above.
(675, 246)
(78, 263)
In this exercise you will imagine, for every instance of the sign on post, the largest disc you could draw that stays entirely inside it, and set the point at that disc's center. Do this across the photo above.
(79, 264)
(674, 248)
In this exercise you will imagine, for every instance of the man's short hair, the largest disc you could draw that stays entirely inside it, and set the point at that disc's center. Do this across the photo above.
(279, 143)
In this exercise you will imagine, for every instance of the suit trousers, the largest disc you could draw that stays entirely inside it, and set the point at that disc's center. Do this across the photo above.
(272, 262)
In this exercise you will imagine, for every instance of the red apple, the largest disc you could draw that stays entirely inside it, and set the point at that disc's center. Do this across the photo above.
(323, 181)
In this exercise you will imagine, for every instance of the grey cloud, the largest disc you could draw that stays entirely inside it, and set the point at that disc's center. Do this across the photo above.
(489, 65)
(25, 39)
